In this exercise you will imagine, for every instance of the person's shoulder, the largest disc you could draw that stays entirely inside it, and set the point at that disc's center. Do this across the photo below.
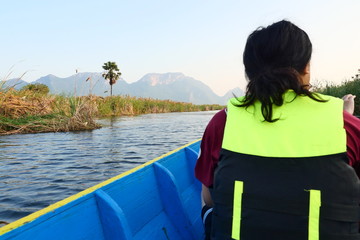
(328, 98)
(220, 114)
(323, 96)
(219, 118)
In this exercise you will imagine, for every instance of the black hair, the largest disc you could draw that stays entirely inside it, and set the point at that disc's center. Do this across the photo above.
(274, 59)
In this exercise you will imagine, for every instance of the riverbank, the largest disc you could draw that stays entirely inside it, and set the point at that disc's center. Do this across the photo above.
(29, 112)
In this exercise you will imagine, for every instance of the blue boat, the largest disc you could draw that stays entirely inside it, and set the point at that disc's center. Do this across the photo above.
(157, 200)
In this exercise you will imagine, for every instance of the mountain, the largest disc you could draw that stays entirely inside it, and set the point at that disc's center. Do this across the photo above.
(172, 86)
(15, 83)
(236, 92)
(81, 84)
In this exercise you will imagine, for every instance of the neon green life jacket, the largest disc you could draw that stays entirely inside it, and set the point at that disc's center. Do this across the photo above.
(299, 132)
(288, 179)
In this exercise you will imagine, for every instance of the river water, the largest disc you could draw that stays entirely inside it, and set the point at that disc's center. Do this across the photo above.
(37, 170)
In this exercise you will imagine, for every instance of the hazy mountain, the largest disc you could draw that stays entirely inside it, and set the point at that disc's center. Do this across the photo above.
(81, 84)
(173, 86)
(15, 83)
(236, 92)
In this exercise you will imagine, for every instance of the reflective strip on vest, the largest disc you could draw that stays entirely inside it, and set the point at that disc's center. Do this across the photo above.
(236, 222)
(314, 214)
(306, 128)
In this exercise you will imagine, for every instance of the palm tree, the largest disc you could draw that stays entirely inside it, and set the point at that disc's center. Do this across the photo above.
(112, 73)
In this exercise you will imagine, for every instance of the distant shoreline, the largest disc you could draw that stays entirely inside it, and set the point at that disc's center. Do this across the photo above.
(26, 112)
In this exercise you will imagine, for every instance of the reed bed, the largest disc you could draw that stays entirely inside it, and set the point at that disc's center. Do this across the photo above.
(128, 106)
(24, 112)
(31, 112)
(347, 87)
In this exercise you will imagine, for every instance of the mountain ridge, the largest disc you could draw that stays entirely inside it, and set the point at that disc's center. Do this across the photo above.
(174, 86)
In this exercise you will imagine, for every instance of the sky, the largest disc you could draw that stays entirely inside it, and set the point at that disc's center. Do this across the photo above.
(203, 39)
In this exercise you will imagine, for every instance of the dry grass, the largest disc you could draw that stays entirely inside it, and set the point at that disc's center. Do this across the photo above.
(29, 112)
(15, 106)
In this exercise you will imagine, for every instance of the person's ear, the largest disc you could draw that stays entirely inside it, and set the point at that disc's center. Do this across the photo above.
(307, 68)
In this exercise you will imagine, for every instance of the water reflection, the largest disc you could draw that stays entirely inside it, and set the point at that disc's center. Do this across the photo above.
(40, 169)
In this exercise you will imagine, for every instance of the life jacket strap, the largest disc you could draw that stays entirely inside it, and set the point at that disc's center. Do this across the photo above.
(313, 208)
(329, 211)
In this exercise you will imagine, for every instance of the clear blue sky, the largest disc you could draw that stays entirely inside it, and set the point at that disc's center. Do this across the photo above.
(203, 39)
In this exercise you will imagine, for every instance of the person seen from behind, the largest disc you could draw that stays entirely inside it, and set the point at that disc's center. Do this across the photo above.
(281, 161)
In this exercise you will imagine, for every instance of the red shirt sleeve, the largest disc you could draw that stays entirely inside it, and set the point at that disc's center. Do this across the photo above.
(210, 149)
(352, 127)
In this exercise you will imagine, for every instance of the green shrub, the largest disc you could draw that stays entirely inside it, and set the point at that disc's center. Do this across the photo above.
(37, 88)
(347, 87)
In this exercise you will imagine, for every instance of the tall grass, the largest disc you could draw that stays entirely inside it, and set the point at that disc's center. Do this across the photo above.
(127, 105)
(28, 112)
(347, 87)
(31, 112)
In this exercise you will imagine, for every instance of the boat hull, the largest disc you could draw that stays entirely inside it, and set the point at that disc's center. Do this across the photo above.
(157, 200)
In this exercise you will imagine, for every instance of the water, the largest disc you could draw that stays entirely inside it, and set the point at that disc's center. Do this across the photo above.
(37, 170)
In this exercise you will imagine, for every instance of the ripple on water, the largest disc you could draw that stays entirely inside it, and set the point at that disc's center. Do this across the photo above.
(40, 169)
